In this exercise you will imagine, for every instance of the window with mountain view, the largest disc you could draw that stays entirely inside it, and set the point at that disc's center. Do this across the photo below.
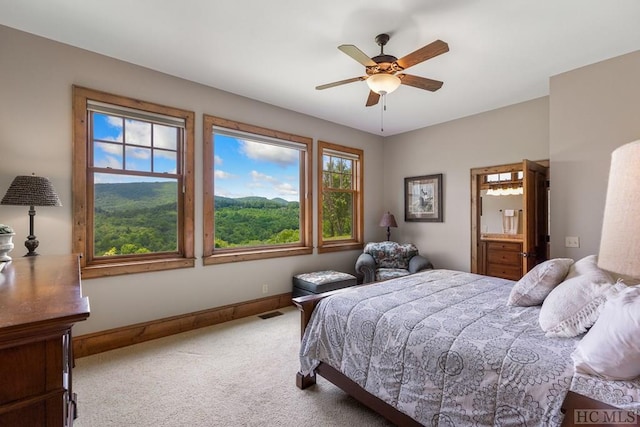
(134, 184)
(340, 222)
(256, 199)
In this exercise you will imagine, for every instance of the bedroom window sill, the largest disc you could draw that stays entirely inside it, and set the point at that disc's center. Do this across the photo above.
(336, 247)
(139, 266)
(227, 257)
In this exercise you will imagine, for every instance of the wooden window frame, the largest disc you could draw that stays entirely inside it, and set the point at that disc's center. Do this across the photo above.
(83, 193)
(212, 256)
(357, 242)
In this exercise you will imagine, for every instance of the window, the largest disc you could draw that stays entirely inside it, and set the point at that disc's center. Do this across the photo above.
(340, 203)
(256, 192)
(132, 185)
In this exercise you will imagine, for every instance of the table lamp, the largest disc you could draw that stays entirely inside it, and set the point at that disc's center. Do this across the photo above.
(31, 191)
(388, 221)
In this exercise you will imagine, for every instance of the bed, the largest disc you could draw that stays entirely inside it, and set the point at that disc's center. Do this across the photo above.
(442, 347)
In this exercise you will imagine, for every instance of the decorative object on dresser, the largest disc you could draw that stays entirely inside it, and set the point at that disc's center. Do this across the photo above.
(388, 220)
(41, 300)
(31, 191)
(6, 243)
(423, 198)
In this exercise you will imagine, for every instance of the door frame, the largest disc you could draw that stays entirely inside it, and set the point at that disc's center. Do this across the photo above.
(477, 261)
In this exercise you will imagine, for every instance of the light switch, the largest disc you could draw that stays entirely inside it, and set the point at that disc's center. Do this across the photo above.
(572, 242)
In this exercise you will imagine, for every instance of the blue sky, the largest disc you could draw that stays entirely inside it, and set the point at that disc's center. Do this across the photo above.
(138, 155)
(246, 168)
(242, 167)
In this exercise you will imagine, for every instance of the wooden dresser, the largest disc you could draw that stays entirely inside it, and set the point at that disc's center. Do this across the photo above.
(40, 300)
(502, 258)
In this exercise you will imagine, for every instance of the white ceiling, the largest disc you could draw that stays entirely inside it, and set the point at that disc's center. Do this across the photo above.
(276, 51)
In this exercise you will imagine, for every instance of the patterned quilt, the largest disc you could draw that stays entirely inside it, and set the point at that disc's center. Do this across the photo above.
(443, 347)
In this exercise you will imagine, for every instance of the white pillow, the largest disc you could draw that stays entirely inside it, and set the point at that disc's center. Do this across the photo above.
(588, 264)
(534, 286)
(574, 305)
(611, 348)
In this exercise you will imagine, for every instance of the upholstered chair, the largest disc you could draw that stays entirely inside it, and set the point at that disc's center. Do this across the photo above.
(386, 260)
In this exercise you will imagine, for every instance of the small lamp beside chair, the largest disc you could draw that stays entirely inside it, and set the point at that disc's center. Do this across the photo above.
(388, 220)
(31, 191)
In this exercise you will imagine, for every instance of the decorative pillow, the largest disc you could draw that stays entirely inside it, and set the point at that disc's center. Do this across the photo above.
(574, 305)
(586, 265)
(534, 286)
(611, 348)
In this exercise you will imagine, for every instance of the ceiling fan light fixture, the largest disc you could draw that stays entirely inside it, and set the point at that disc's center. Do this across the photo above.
(383, 83)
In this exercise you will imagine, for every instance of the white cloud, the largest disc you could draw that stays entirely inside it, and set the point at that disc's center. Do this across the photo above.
(115, 149)
(138, 133)
(269, 153)
(259, 177)
(222, 174)
(276, 187)
(165, 137)
(112, 162)
(217, 160)
(138, 153)
(285, 190)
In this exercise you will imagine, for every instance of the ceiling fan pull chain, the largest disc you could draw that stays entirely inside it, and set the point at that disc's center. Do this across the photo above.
(383, 107)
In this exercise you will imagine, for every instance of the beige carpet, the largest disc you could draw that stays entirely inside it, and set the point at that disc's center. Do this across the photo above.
(241, 373)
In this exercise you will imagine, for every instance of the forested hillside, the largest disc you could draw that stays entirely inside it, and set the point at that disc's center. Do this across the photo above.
(135, 218)
(142, 217)
(253, 221)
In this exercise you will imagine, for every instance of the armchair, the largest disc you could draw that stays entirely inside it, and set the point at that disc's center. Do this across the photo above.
(386, 260)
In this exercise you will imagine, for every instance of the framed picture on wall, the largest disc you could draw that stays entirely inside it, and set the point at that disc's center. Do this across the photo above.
(423, 198)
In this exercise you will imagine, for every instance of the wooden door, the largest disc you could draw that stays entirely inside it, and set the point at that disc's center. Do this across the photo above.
(534, 238)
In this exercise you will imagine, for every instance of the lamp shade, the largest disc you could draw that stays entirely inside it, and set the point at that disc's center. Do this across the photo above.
(619, 245)
(388, 220)
(31, 190)
(383, 83)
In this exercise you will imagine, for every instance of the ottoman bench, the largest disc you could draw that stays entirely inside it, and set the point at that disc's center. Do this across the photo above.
(321, 281)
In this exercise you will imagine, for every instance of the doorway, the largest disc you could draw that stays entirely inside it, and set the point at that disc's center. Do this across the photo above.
(509, 218)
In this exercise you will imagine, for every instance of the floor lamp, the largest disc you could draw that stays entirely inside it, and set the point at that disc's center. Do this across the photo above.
(31, 191)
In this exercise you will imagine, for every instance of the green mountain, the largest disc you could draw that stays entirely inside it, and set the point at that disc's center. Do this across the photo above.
(134, 195)
(142, 217)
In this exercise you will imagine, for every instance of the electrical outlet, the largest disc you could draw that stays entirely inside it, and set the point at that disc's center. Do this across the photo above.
(265, 288)
(572, 242)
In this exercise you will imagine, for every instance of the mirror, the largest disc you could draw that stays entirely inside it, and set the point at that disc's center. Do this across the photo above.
(501, 198)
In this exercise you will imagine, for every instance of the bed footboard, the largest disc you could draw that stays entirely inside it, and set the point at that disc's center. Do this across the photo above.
(306, 304)
(581, 410)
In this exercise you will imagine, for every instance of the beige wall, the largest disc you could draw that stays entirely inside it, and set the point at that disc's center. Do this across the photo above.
(590, 111)
(36, 76)
(594, 110)
(505, 135)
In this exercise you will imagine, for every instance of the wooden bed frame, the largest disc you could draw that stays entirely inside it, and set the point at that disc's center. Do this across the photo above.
(574, 405)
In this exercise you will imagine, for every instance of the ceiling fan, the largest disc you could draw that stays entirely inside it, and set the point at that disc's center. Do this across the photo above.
(384, 72)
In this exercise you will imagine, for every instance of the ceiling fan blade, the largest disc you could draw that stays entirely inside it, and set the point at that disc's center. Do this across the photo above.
(373, 98)
(420, 82)
(338, 83)
(357, 54)
(429, 51)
